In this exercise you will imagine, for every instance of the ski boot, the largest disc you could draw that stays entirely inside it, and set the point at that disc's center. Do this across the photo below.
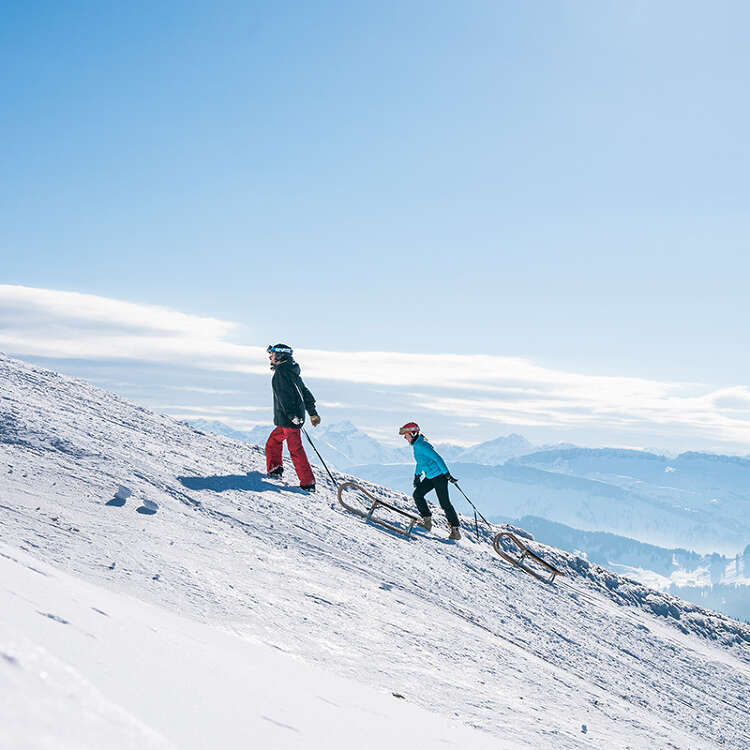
(427, 523)
(276, 473)
(455, 533)
(308, 488)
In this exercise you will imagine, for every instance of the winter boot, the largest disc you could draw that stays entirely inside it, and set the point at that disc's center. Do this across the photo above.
(427, 522)
(307, 487)
(455, 532)
(277, 472)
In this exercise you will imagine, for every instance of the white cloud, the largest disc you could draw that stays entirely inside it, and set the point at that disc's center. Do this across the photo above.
(53, 307)
(732, 399)
(506, 390)
(49, 323)
(197, 389)
(213, 410)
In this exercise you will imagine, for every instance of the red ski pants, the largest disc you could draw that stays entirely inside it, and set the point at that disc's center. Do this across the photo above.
(293, 437)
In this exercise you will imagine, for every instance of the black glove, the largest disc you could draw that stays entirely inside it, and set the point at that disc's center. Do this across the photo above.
(450, 477)
(416, 481)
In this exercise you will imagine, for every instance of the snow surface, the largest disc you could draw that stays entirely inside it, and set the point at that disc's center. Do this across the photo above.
(174, 682)
(244, 612)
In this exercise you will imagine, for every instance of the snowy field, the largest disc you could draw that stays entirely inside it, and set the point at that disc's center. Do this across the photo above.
(217, 608)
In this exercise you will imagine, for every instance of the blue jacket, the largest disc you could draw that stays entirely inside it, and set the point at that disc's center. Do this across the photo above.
(427, 458)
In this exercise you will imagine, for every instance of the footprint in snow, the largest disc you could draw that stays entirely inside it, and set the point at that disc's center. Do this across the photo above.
(122, 494)
(148, 508)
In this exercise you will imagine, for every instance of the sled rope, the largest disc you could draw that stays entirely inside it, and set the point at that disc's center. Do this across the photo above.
(489, 525)
(526, 553)
(335, 483)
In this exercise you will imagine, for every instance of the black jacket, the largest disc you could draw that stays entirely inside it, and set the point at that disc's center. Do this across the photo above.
(290, 395)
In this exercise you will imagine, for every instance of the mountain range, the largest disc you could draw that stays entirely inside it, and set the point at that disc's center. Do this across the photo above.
(343, 445)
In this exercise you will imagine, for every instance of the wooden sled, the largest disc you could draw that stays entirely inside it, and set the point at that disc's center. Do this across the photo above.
(525, 553)
(377, 503)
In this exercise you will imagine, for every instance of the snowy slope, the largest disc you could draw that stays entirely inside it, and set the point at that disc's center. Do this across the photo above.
(231, 562)
(142, 657)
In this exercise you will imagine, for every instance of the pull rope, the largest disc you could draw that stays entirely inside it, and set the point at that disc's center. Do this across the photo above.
(476, 511)
(335, 483)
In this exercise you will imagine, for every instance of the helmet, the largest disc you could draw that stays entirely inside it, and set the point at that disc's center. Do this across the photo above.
(410, 428)
(282, 351)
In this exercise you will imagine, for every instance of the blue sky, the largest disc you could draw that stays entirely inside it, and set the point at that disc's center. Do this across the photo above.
(562, 183)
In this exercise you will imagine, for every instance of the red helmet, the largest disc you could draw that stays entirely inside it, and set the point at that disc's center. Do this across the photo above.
(410, 428)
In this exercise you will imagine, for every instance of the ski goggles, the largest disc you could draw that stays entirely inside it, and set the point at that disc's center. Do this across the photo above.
(279, 349)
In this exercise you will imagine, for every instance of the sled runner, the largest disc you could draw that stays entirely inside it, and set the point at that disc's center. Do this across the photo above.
(377, 503)
(526, 553)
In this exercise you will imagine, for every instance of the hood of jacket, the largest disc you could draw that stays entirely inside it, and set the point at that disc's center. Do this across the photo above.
(290, 364)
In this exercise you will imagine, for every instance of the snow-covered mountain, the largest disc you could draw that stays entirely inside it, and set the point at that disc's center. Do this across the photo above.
(341, 444)
(257, 435)
(344, 445)
(713, 581)
(348, 446)
(214, 607)
(706, 481)
(713, 490)
(491, 452)
(497, 451)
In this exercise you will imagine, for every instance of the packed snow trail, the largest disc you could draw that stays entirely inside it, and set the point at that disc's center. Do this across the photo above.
(451, 627)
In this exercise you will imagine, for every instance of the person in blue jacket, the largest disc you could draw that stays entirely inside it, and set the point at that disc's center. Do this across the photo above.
(436, 477)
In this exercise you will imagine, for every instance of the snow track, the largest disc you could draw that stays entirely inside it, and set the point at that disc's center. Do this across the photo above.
(451, 627)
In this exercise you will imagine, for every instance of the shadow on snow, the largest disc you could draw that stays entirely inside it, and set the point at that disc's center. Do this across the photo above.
(253, 480)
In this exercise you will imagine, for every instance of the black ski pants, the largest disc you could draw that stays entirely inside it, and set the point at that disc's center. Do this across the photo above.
(440, 485)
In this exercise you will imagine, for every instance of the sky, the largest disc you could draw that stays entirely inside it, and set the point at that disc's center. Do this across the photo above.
(493, 217)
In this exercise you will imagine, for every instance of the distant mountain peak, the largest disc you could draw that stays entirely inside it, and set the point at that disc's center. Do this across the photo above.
(343, 427)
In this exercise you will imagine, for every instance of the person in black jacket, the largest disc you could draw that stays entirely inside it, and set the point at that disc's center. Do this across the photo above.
(290, 400)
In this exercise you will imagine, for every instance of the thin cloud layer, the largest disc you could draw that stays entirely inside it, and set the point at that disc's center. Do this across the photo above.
(506, 390)
(50, 323)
